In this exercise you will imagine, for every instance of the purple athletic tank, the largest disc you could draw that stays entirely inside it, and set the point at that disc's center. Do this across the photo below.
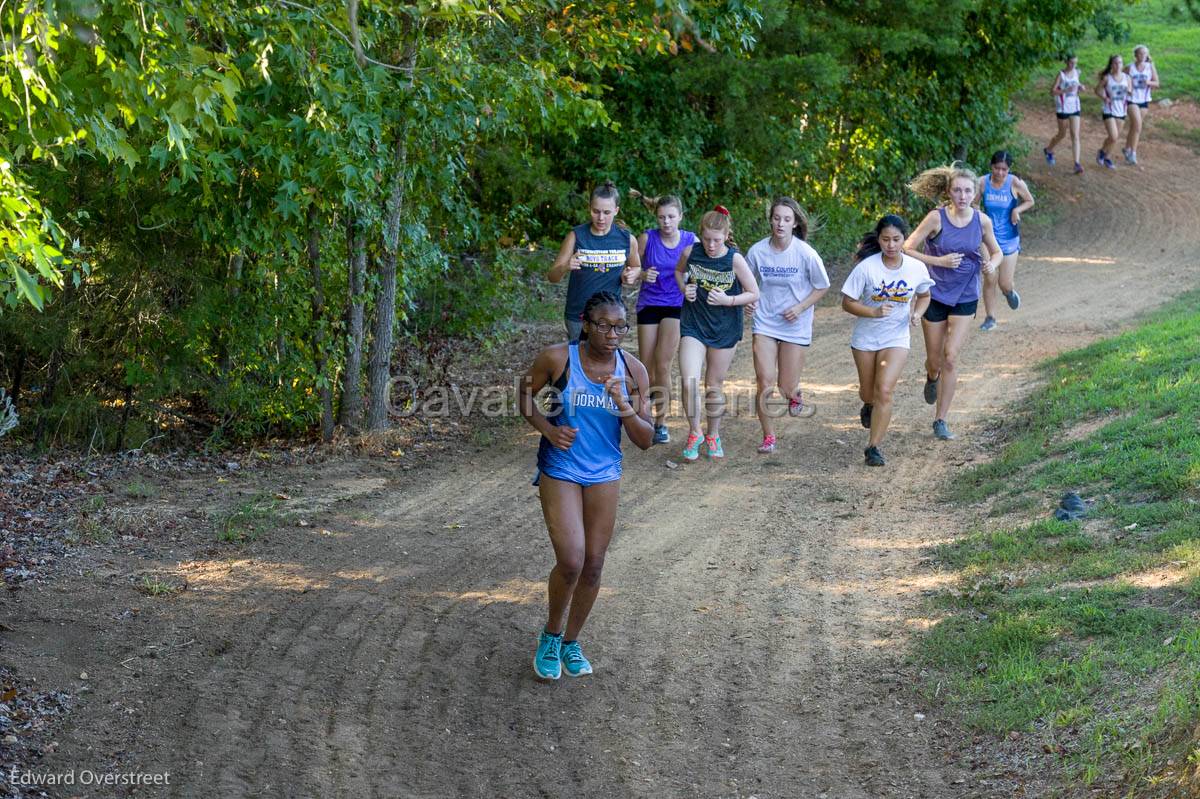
(664, 291)
(962, 284)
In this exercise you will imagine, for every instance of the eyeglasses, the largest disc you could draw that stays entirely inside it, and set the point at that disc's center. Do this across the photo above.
(604, 327)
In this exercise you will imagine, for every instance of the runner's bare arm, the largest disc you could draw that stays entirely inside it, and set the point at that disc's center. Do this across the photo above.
(641, 247)
(635, 415)
(566, 259)
(853, 306)
(919, 307)
(749, 293)
(995, 255)
(681, 269)
(633, 266)
(548, 364)
(931, 225)
(1021, 189)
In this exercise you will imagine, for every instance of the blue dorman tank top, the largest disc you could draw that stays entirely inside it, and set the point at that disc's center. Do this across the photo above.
(998, 203)
(595, 455)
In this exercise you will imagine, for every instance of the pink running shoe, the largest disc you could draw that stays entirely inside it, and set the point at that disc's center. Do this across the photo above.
(768, 445)
(797, 408)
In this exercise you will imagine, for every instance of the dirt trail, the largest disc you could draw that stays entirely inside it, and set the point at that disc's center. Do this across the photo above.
(749, 637)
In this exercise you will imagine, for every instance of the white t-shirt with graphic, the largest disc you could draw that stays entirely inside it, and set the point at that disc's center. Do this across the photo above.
(873, 284)
(785, 279)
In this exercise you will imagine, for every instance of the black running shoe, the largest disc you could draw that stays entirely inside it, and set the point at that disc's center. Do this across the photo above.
(931, 389)
(874, 456)
(864, 415)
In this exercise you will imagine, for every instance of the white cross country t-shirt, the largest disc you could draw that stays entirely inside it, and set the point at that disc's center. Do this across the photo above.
(785, 279)
(873, 284)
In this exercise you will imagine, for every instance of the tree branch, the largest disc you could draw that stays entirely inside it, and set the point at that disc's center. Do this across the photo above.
(355, 44)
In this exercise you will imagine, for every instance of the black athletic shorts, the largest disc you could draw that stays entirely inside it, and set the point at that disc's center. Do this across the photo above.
(940, 311)
(1067, 115)
(653, 314)
(1111, 116)
(1143, 105)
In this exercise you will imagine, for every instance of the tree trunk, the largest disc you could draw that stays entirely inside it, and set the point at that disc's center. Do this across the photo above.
(53, 369)
(324, 389)
(14, 391)
(350, 408)
(128, 397)
(57, 360)
(384, 319)
(234, 276)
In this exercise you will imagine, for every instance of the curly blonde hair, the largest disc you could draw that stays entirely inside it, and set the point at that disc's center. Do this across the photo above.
(934, 184)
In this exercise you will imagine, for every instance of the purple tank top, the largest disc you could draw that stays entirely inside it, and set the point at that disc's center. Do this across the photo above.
(962, 284)
(663, 291)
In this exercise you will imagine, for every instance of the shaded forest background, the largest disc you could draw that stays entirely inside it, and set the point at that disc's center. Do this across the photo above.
(243, 218)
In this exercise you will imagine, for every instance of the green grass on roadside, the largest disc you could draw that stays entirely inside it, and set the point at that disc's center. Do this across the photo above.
(1086, 634)
(1162, 25)
(248, 520)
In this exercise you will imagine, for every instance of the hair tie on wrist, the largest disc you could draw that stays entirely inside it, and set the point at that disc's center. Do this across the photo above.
(720, 209)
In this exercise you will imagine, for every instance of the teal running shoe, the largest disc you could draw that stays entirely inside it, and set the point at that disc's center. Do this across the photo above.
(713, 445)
(574, 662)
(691, 451)
(547, 663)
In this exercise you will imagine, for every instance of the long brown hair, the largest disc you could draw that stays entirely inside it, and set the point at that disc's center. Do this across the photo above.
(802, 222)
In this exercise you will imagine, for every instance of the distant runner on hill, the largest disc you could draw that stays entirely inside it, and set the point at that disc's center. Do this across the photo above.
(1143, 77)
(1067, 109)
(1114, 89)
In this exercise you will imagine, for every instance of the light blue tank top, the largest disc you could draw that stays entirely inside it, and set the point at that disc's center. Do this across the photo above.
(998, 203)
(595, 455)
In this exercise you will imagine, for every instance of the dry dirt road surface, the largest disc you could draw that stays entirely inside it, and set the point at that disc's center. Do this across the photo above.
(750, 636)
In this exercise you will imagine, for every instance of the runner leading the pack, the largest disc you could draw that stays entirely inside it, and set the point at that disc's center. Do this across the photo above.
(1143, 76)
(952, 236)
(1066, 109)
(791, 281)
(716, 282)
(1003, 197)
(660, 301)
(598, 390)
(598, 256)
(888, 291)
(1114, 88)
